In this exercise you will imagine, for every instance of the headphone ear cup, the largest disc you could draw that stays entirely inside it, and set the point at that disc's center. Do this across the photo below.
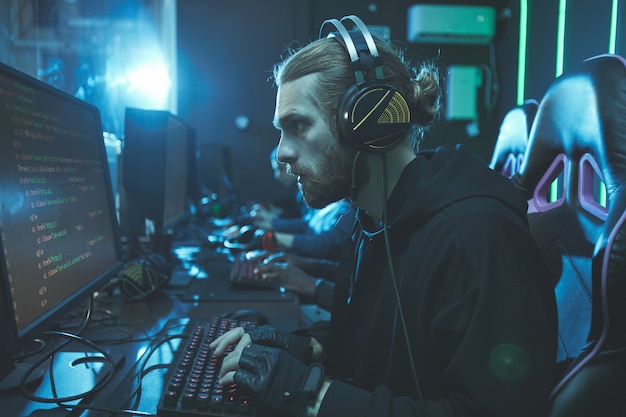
(373, 116)
(146, 275)
(138, 279)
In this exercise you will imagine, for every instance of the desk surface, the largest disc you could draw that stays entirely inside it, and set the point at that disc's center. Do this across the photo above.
(127, 329)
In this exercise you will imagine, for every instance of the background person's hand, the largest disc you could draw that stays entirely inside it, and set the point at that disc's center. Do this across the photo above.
(263, 218)
(290, 258)
(288, 276)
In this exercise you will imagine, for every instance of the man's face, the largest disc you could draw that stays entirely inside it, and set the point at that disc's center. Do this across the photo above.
(308, 145)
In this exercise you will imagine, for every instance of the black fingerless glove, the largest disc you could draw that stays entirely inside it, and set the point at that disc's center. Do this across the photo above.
(278, 379)
(297, 346)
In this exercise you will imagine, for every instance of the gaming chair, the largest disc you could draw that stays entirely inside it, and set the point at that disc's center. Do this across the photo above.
(574, 176)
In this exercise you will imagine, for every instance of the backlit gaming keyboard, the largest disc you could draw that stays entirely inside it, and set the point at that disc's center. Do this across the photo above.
(192, 388)
(242, 274)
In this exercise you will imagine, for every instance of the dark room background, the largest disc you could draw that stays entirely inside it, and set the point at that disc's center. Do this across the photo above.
(223, 53)
(226, 53)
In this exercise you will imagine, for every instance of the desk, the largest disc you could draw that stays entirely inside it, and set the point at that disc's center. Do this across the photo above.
(126, 330)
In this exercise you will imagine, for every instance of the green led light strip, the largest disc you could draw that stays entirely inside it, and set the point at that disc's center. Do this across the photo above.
(554, 190)
(612, 48)
(560, 40)
(613, 33)
(521, 51)
(602, 197)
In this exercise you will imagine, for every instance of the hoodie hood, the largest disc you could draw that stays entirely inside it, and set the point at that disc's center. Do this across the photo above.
(445, 176)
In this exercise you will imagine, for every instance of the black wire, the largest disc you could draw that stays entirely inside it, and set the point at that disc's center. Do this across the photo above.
(353, 190)
(136, 392)
(143, 371)
(149, 305)
(128, 331)
(70, 337)
(31, 369)
(120, 411)
(24, 355)
(400, 310)
(108, 316)
(87, 315)
(112, 411)
(53, 385)
(97, 316)
(142, 367)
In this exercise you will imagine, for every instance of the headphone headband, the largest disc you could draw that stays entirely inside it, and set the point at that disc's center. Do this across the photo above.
(351, 45)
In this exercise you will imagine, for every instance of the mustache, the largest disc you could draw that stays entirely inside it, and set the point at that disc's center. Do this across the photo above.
(297, 171)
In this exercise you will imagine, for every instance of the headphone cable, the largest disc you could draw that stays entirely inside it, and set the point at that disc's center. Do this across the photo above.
(399, 308)
(353, 192)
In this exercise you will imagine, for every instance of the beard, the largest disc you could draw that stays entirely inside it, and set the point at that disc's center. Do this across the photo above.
(333, 181)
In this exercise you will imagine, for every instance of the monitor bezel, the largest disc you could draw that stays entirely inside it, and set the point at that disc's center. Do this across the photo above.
(16, 339)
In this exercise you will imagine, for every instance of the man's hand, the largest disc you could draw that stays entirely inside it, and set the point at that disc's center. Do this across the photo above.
(278, 379)
(298, 346)
(235, 336)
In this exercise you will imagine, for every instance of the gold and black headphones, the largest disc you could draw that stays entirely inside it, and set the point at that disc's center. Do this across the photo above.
(372, 115)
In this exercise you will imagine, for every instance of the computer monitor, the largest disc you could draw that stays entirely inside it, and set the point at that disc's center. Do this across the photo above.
(158, 162)
(59, 236)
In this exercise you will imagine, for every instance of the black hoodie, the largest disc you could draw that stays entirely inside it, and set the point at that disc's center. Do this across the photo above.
(476, 305)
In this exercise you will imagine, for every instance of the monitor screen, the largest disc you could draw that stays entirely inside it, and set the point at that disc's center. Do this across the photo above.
(158, 157)
(59, 236)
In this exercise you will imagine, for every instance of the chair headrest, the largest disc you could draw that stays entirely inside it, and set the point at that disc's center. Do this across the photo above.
(513, 138)
(582, 118)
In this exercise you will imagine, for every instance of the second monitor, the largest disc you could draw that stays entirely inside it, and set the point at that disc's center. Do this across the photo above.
(158, 170)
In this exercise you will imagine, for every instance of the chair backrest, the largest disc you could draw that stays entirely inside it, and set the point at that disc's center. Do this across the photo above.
(508, 153)
(574, 176)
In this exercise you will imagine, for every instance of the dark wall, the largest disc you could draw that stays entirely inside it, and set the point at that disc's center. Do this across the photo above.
(226, 50)
(586, 34)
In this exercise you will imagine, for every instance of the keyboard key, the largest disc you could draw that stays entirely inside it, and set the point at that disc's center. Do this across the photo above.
(216, 401)
(243, 404)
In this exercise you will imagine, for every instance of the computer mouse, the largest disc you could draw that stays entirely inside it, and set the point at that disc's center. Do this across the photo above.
(243, 239)
(251, 315)
(245, 234)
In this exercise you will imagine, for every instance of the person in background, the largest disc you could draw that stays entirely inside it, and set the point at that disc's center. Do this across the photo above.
(321, 235)
(313, 279)
(318, 233)
(308, 246)
(291, 207)
(309, 265)
(442, 304)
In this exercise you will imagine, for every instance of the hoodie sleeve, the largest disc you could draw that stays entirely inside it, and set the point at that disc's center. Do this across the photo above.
(326, 241)
(289, 225)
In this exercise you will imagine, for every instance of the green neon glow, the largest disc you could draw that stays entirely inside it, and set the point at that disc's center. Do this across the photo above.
(613, 33)
(602, 197)
(560, 42)
(521, 50)
(554, 190)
